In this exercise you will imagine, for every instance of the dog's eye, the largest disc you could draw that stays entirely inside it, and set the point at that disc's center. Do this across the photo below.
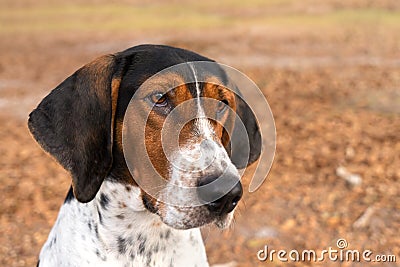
(159, 99)
(222, 105)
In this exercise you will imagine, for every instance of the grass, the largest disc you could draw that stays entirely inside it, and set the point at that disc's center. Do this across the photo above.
(111, 17)
(209, 14)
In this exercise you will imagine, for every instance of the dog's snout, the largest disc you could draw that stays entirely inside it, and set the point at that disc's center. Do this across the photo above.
(220, 194)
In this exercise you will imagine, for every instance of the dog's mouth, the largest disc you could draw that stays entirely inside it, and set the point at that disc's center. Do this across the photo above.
(184, 218)
(194, 217)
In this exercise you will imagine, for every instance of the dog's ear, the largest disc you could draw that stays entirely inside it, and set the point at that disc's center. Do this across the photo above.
(75, 122)
(243, 152)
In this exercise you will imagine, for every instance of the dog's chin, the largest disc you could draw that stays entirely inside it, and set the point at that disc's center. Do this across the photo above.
(186, 225)
(225, 221)
(222, 222)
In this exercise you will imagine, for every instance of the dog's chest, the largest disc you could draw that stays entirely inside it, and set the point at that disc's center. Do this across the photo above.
(110, 231)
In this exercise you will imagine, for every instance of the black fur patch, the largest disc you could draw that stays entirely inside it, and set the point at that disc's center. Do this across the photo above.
(100, 216)
(156, 248)
(142, 243)
(104, 201)
(148, 205)
(96, 230)
(99, 255)
(142, 247)
(70, 196)
(149, 254)
(53, 242)
(167, 234)
(121, 245)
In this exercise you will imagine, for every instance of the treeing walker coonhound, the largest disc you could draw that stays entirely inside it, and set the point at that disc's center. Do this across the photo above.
(107, 219)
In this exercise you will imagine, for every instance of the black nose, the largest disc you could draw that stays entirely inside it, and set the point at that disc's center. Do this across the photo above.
(220, 194)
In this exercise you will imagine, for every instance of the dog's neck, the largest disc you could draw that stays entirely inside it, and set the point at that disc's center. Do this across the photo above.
(115, 229)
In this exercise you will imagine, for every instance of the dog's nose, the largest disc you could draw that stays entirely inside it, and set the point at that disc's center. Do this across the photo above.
(220, 194)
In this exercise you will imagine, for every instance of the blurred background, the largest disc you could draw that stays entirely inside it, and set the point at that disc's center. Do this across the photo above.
(329, 69)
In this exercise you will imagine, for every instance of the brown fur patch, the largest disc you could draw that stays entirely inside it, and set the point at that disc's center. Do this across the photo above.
(213, 89)
(98, 72)
(154, 126)
(114, 100)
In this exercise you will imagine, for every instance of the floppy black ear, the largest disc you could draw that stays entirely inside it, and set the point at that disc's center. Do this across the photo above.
(244, 148)
(74, 123)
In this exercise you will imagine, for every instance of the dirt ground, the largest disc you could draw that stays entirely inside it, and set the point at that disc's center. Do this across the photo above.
(334, 89)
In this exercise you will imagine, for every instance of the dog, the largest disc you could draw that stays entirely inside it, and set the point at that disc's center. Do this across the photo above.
(107, 218)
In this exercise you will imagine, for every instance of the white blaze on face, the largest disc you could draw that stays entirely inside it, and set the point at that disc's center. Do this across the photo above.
(203, 125)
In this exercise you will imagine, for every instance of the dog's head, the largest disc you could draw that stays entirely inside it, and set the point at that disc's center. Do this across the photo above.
(80, 123)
